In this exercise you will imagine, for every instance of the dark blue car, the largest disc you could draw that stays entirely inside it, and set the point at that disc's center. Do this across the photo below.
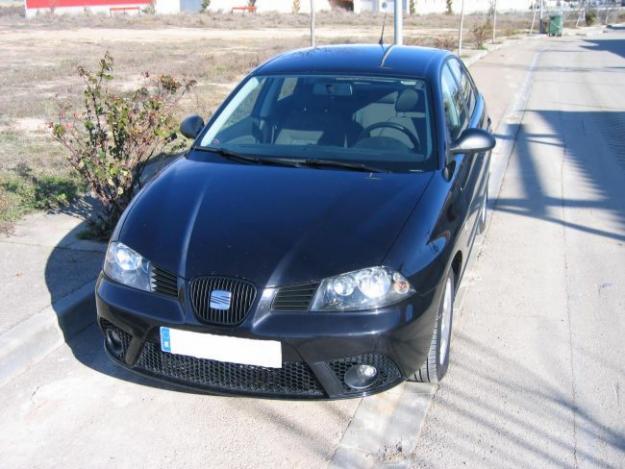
(310, 243)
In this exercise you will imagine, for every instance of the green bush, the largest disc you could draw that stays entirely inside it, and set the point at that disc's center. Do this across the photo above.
(591, 17)
(110, 139)
(205, 4)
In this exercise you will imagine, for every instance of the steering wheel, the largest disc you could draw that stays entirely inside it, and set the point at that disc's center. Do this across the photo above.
(390, 125)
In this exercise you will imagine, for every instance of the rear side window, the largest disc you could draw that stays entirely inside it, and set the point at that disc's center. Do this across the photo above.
(466, 89)
(455, 109)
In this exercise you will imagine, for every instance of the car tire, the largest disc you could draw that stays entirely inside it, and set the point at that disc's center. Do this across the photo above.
(435, 367)
(483, 215)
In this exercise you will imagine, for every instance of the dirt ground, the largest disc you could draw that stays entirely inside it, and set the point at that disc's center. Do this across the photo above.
(39, 59)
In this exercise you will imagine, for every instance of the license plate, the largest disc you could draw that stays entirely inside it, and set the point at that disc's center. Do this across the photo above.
(222, 348)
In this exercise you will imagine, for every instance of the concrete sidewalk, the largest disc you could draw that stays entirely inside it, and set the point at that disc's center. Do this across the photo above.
(47, 273)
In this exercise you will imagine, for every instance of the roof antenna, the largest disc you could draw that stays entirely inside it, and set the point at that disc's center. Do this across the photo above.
(381, 41)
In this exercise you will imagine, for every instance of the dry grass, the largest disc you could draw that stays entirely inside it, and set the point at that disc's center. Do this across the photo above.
(40, 56)
(266, 20)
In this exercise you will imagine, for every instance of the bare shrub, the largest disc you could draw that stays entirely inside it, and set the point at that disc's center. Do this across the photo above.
(480, 33)
(445, 42)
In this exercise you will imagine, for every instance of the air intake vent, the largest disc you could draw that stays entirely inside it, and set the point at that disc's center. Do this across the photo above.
(294, 379)
(222, 300)
(163, 282)
(295, 298)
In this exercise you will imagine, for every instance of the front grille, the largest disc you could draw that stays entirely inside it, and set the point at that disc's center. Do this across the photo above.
(163, 282)
(388, 373)
(294, 378)
(242, 296)
(296, 298)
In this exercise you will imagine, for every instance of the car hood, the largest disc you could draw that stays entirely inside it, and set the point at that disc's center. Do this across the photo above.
(271, 225)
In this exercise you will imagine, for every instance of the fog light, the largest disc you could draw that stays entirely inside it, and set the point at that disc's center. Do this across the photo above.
(360, 376)
(114, 343)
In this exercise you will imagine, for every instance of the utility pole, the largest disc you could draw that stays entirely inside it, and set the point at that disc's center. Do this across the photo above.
(461, 28)
(494, 19)
(541, 26)
(399, 23)
(533, 17)
(312, 23)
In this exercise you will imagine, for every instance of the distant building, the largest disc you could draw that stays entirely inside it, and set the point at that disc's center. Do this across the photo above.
(424, 7)
(168, 7)
(35, 7)
(281, 6)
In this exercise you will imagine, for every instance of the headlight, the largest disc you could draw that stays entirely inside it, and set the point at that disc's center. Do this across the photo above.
(374, 287)
(126, 266)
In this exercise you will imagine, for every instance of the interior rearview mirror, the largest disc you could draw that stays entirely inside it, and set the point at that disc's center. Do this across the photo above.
(473, 141)
(191, 126)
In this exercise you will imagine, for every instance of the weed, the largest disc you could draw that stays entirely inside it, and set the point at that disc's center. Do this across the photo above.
(23, 191)
(481, 32)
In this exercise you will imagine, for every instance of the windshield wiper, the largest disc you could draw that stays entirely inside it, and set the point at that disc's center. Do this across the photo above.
(234, 156)
(340, 164)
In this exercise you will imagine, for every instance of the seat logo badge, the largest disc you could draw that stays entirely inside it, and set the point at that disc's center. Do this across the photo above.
(220, 299)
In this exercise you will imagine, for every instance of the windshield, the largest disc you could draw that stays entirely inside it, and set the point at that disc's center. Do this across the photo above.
(377, 121)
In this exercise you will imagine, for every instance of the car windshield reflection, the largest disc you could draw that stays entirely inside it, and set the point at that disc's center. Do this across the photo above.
(383, 123)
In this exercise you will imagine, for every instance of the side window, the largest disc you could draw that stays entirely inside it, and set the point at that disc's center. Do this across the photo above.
(455, 111)
(468, 95)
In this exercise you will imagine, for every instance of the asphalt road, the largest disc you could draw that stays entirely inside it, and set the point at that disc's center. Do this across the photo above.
(538, 372)
(537, 375)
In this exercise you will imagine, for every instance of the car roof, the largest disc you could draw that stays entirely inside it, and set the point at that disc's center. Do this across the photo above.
(366, 59)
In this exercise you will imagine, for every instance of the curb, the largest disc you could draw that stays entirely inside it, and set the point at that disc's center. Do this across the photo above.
(380, 434)
(31, 340)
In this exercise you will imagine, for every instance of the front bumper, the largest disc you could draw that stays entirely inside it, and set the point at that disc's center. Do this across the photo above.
(317, 348)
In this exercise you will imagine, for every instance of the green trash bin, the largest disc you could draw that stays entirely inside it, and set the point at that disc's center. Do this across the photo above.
(555, 25)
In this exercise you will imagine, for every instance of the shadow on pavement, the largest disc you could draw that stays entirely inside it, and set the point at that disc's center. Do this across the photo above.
(615, 46)
(582, 137)
(607, 193)
(522, 432)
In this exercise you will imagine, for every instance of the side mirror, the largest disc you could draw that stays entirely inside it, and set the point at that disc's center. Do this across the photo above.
(191, 126)
(473, 141)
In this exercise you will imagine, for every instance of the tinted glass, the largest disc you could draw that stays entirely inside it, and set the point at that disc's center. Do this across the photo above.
(455, 110)
(468, 95)
(381, 122)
